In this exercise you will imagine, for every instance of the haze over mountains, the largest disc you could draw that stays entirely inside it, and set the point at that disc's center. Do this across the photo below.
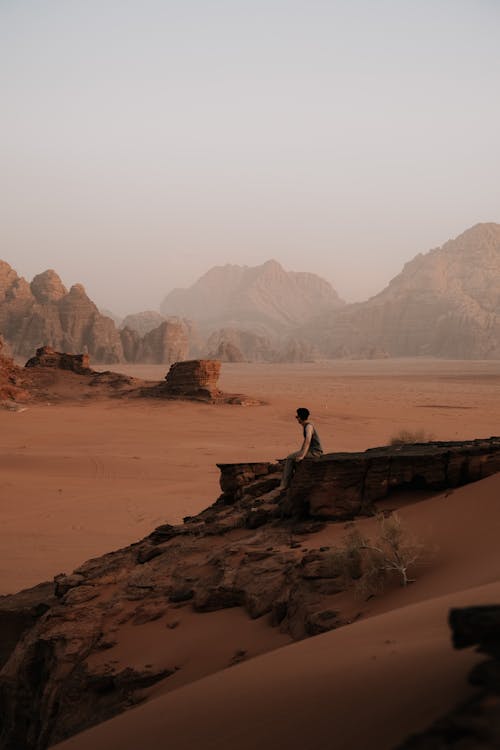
(444, 303)
(265, 296)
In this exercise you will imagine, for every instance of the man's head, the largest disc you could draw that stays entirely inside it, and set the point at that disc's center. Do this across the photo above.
(302, 414)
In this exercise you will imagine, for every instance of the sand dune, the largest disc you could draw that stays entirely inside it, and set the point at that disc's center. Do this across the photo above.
(366, 685)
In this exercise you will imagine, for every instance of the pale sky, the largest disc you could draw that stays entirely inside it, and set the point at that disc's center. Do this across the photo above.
(143, 142)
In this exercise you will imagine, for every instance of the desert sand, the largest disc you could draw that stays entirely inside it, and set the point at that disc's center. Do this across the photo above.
(79, 479)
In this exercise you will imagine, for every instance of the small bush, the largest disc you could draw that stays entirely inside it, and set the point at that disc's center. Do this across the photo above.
(371, 563)
(407, 437)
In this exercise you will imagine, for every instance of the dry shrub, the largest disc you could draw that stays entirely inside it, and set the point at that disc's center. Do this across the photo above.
(408, 437)
(372, 562)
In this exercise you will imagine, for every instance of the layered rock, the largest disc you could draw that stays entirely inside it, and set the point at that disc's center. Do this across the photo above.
(196, 379)
(48, 357)
(340, 486)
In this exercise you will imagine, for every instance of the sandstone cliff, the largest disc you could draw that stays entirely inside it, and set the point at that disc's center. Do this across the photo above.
(45, 313)
(143, 322)
(167, 343)
(445, 303)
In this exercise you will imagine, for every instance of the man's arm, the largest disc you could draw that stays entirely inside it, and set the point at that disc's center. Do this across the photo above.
(306, 443)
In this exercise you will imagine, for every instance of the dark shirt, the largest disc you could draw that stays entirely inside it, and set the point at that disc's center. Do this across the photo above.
(315, 446)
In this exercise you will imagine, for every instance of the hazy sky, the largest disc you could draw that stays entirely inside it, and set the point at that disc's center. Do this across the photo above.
(143, 142)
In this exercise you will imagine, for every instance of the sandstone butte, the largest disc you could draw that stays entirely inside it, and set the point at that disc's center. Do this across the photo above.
(244, 551)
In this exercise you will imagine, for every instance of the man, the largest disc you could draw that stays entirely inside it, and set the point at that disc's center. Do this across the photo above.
(311, 447)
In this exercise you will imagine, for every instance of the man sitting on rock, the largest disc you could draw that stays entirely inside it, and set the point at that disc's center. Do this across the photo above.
(311, 447)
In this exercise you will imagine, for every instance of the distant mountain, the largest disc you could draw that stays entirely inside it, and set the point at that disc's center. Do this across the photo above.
(143, 322)
(445, 303)
(45, 313)
(265, 298)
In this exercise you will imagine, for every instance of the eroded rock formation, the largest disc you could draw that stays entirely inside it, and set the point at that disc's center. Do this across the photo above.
(48, 357)
(13, 385)
(236, 345)
(240, 552)
(195, 378)
(445, 303)
(143, 322)
(45, 313)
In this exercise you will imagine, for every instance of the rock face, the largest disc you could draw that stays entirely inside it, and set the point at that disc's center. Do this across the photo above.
(143, 322)
(48, 357)
(13, 387)
(45, 313)
(196, 379)
(240, 552)
(341, 486)
(265, 298)
(475, 724)
(235, 345)
(169, 342)
(445, 303)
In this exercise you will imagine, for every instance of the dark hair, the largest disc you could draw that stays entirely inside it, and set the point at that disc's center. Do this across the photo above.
(302, 413)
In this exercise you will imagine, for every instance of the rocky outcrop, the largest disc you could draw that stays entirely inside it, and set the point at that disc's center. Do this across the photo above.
(265, 298)
(13, 386)
(241, 552)
(19, 612)
(167, 343)
(143, 322)
(339, 486)
(194, 379)
(445, 303)
(236, 345)
(44, 313)
(227, 352)
(475, 723)
(48, 357)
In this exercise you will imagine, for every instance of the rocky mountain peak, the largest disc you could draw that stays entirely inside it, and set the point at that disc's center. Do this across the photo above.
(48, 287)
(266, 297)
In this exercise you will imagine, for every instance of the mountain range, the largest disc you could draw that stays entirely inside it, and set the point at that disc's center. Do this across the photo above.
(444, 303)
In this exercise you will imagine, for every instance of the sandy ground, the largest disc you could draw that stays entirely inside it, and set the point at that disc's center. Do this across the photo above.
(369, 684)
(77, 480)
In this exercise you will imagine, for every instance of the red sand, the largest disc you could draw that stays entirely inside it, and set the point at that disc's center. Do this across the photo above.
(79, 480)
(95, 477)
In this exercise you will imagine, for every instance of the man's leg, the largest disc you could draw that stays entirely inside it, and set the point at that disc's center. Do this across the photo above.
(288, 470)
